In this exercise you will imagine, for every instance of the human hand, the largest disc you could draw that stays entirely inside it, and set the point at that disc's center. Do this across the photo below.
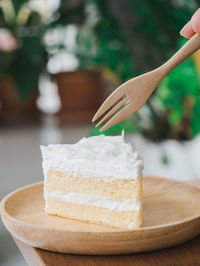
(193, 26)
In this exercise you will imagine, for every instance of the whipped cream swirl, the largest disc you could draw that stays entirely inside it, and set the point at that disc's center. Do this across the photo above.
(107, 157)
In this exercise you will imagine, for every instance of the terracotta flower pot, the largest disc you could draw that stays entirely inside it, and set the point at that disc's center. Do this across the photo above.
(12, 110)
(80, 94)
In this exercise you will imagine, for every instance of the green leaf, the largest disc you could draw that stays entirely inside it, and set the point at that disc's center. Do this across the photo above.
(176, 115)
(17, 4)
(25, 75)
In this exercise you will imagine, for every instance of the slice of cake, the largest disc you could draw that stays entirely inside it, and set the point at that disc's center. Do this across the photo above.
(97, 180)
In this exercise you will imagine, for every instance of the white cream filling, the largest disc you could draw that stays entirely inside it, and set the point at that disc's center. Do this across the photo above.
(93, 200)
(102, 172)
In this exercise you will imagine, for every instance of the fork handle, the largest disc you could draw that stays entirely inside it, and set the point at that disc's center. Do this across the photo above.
(183, 53)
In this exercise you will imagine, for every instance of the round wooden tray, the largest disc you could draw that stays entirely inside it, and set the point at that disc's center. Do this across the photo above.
(171, 216)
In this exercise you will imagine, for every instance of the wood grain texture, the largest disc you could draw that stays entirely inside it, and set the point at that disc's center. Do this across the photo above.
(186, 254)
(171, 216)
(194, 182)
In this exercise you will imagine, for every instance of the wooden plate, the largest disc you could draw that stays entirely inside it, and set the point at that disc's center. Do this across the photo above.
(171, 216)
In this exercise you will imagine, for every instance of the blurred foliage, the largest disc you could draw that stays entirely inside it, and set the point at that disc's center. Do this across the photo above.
(68, 12)
(101, 43)
(131, 36)
(179, 96)
(126, 37)
(174, 109)
(134, 36)
(24, 63)
(29, 26)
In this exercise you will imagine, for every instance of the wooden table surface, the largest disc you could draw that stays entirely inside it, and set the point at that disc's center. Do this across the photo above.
(186, 254)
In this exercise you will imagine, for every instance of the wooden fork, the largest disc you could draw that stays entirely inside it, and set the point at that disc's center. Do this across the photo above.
(133, 94)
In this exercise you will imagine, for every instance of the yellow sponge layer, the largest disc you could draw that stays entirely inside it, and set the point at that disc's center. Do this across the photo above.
(119, 190)
(116, 190)
(92, 214)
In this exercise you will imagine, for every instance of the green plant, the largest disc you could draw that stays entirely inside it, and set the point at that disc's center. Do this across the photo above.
(28, 27)
(131, 37)
(179, 97)
(25, 62)
(67, 14)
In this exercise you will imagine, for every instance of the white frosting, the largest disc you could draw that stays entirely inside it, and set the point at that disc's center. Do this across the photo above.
(93, 200)
(105, 157)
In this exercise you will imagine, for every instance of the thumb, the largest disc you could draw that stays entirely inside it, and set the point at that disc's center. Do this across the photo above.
(195, 21)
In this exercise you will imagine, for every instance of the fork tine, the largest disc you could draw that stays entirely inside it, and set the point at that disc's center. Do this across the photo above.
(114, 109)
(121, 115)
(111, 100)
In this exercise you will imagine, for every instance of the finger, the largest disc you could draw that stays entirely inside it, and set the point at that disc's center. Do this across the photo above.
(195, 21)
(187, 31)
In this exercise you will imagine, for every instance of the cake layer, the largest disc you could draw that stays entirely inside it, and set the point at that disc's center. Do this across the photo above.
(118, 189)
(95, 200)
(92, 214)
